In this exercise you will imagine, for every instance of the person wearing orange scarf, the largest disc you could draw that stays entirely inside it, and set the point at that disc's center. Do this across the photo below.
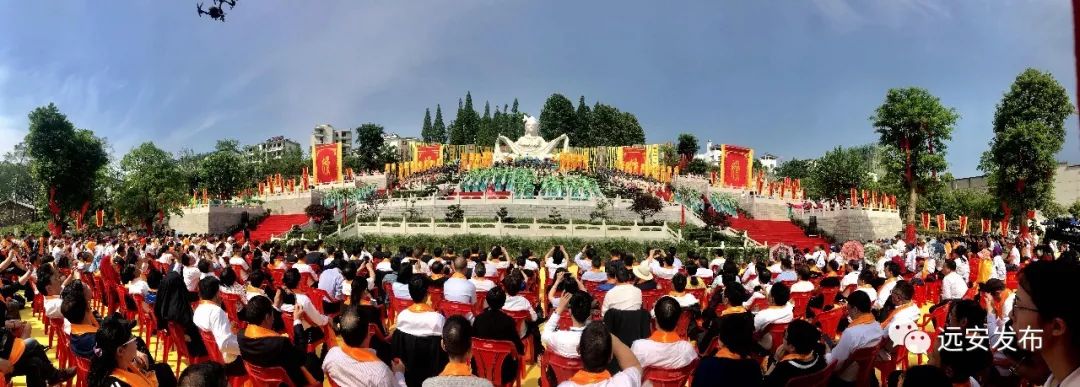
(261, 346)
(457, 336)
(597, 347)
(862, 332)
(665, 348)
(731, 365)
(121, 359)
(799, 355)
(355, 364)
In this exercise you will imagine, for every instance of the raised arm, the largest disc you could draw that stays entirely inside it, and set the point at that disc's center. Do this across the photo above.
(623, 355)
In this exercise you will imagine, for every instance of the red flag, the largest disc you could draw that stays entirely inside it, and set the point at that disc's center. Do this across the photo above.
(984, 226)
(963, 224)
(941, 222)
(854, 198)
(1004, 227)
(926, 220)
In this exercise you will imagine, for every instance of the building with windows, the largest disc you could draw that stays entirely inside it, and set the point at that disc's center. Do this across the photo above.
(326, 134)
(14, 212)
(273, 148)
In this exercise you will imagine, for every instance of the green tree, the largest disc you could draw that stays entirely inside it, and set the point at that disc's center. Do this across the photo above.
(913, 126)
(427, 131)
(149, 185)
(697, 167)
(1074, 209)
(466, 124)
(486, 135)
(558, 117)
(580, 135)
(688, 145)
(62, 158)
(631, 132)
(646, 205)
(836, 173)
(612, 127)
(223, 172)
(369, 141)
(794, 169)
(15, 175)
(438, 129)
(1029, 129)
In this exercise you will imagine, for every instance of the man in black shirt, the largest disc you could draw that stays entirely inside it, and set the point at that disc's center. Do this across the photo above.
(493, 324)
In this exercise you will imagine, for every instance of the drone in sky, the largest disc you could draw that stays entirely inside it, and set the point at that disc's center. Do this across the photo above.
(216, 11)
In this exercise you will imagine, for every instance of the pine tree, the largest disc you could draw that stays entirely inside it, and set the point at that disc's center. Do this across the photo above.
(426, 130)
(470, 121)
(486, 133)
(580, 135)
(438, 130)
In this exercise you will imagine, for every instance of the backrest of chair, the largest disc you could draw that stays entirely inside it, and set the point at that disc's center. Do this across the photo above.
(564, 368)
(436, 294)
(649, 297)
(664, 285)
(759, 304)
(287, 319)
(268, 376)
(239, 271)
(481, 297)
(800, 300)
(683, 324)
(565, 321)
(316, 296)
(920, 294)
(663, 377)
(450, 308)
(933, 292)
(816, 379)
(278, 276)
(212, 349)
(489, 356)
(788, 283)
(863, 358)
(776, 331)
(941, 316)
(830, 319)
(828, 293)
(400, 304)
(519, 316)
(176, 332)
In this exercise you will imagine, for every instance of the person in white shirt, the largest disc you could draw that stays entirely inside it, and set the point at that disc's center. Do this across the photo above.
(210, 317)
(312, 320)
(818, 257)
(803, 285)
(565, 342)
(598, 346)
(1045, 301)
(865, 279)
(516, 303)
(584, 259)
(905, 312)
(554, 259)
(50, 286)
(892, 274)
(678, 292)
(595, 272)
(749, 277)
(1014, 253)
(718, 262)
(787, 272)
(959, 255)
(779, 312)
(852, 276)
(351, 364)
(624, 296)
(664, 348)
(190, 272)
(237, 260)
(862, 332)
(420, 319)
(457, 288)
(479, 281)
(400, 288)
(952, 286)
(664, 267)
(999, 271)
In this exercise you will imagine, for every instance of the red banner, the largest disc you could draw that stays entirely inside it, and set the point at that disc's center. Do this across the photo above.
(633, 158)
(963, 224)
(737, 164)
(854, 198)
(984, 226)
(327, 163)
(99, 218)
(941, 222)
(926, 220)
(1004, 227)
(428, 152)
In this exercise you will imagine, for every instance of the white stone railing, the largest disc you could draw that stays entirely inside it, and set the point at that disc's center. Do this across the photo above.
(486, 199)
(524, 230)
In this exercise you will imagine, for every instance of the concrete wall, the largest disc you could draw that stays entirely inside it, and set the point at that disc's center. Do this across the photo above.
(764, 208)
(1066, 184)
(534, 230)
(291, 203)
(210, 220)
(577, 210)
(855, 224)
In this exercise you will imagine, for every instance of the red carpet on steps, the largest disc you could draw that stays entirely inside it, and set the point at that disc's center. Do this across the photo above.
(776, 231)
(274, 225)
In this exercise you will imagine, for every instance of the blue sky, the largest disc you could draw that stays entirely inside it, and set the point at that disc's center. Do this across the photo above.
(792, 78)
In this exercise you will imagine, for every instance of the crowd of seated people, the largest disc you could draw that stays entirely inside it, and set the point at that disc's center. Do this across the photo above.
(358, 318)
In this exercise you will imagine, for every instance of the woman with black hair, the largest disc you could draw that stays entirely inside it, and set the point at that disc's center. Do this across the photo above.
(732, 363)
(554, 259)
(119, 361)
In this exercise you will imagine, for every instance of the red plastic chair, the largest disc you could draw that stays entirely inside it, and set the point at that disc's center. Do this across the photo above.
(121, 295)
(399, 304)
(240, 273)
(664, 285)
(213, 354)
(1010, 280)
(759, 304)
(481, 299)
(682, 325)
(56, 330)
(520, 317)
(564, 368)
(788, 283)
(450, 308)
(231, 303)
(829, 293)
(830, 319)
(933, 292)
(489, 356)
(649, 297)
(277, 275)
(176, 333)
(316, 296)
(800, 299)
(776, 331)
(662, 377)
(701, 295)
(268, 376)
(817, 379)
(82, 370)
(921, 294)
(864, 359)
(435, 295)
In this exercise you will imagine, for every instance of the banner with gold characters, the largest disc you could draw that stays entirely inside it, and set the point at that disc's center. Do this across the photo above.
(326, 163)
(736, 166)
